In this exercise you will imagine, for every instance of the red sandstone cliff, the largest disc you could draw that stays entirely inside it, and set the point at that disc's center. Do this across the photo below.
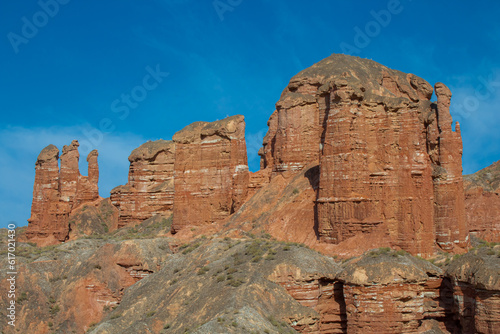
(57, 192)
(150, 187)
(211, 172)
(388, 159)
(482, 203)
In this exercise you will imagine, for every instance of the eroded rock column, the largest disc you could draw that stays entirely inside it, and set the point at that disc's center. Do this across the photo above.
(448, 183)
(57, 192)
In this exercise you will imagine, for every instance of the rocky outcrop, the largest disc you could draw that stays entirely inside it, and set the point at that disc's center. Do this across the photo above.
(211, 172)
(482, 203)
(476, 284)
(388, 158)
(317, 289)
(57, 192)
(150, 187)
(389, 293)
(69, 288)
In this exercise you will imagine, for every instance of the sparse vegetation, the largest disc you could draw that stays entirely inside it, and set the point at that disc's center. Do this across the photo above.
(236, 282)
(203, 270)
(54, 309)
(22, 297)
(190, 247)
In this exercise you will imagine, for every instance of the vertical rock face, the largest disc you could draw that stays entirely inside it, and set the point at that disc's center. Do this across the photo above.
(267, 150)
(211, 172)
(476, 288)
(93, 167)
(44, 220)
(88, 189)
(320, 292)
(482, 203)
(57, 192)
(448, 185)
(387, 155)
(388, 294)
(150, 187)
(69, 174)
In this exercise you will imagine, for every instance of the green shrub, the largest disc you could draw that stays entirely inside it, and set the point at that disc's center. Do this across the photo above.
(22, 297)
(203, 270)
(54, 309)
(236, 282)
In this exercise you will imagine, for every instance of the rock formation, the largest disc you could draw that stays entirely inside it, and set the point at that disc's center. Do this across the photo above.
(482, 203)
(357, 157)
(388, 158)
(476, 288)
(388, 293)
(45, 217)
(57, 192)
(449, 213)
(150, 187)
(211, 172)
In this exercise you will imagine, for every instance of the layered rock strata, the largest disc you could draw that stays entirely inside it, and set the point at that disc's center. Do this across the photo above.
(57, 192)
(482, 203)
(388, 158)
(389, 293)
(476, 290)
(211, 172)
(150, 187)
(449, 208)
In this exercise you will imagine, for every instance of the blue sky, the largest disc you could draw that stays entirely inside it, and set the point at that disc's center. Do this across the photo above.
(67, 75)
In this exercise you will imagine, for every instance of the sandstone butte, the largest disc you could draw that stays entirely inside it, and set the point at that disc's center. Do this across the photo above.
(383, 163)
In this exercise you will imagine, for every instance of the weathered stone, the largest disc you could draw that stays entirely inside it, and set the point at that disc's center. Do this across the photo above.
(387, 156)
(44, 222)
(87, 186)
(482, 203)
(57, 192)
(211, 172)
(449, 214)
(476, 283)
(150, 187)
(390, 293)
